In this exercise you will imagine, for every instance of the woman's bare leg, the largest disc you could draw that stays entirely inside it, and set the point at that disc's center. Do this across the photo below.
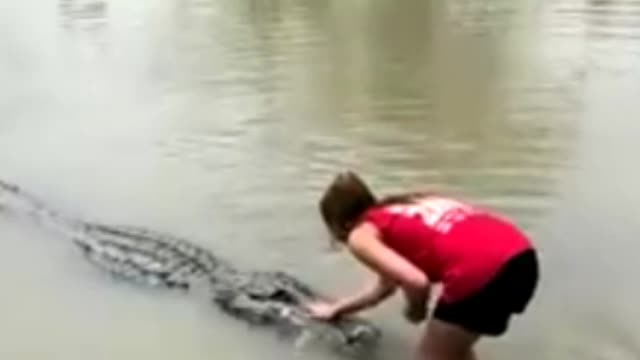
(443, 341)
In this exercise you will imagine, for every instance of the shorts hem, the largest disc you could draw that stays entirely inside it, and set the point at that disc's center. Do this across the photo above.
(489, 310)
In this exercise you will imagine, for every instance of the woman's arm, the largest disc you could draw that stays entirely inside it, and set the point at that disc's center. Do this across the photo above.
(370, 296)
(366, 245)
(393, 271)
(367, 297)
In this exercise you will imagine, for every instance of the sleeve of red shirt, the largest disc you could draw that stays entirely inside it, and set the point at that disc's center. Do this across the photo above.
(380, 218)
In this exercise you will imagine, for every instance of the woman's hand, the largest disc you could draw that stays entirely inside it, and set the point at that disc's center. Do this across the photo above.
(322, 310)
(415, 310)
(415, 313)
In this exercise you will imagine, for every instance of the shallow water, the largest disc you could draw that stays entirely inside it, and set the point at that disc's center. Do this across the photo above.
(222, 120)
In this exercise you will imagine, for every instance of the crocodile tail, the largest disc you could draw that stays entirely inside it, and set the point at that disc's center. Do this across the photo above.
(19, 202)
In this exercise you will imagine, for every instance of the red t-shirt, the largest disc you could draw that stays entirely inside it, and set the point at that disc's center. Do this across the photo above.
(454, 243)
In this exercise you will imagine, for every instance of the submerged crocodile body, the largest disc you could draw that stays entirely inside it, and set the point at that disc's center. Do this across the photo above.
(266, 298)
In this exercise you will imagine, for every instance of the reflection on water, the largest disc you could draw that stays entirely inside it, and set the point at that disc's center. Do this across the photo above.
(222, 121)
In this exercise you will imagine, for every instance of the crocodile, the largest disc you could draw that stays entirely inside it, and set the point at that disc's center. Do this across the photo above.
(261, 298)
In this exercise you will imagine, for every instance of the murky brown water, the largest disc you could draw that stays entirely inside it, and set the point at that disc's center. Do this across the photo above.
(222, 121)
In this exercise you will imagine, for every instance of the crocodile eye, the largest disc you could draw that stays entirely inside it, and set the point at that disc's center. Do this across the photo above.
(283, 296)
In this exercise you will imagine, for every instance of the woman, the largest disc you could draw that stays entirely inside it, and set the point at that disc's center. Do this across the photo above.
(488, 268)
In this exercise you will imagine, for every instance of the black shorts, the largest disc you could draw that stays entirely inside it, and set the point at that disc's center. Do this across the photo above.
(488, 311)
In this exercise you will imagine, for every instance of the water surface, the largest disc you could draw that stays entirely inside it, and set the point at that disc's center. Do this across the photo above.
(223, 120)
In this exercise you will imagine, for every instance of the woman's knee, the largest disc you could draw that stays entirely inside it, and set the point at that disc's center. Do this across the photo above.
(443, 341)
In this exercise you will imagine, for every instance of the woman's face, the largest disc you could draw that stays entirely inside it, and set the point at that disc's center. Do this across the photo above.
(335, 232)
(333, 240)
(339, 233)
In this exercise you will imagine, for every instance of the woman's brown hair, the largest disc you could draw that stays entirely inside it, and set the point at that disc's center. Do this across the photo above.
(344, 201)
(347, 198)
